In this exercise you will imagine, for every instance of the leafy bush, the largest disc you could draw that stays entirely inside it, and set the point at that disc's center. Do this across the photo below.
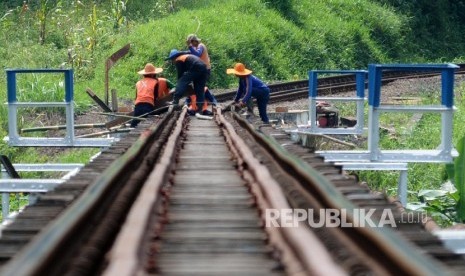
(436, 26)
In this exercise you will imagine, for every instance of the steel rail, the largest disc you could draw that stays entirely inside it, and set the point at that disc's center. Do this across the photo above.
(316, 259)
(124, 256)
(39, 257)
(394, 254)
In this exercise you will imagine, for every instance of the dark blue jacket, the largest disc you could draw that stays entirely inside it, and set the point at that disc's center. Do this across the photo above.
(246, 85)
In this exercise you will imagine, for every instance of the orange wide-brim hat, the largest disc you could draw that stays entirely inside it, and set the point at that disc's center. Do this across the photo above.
(239, 69)
(150, 70)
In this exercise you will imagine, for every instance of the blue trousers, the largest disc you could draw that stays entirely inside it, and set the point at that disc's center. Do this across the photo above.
(262, 96)
(198, 78)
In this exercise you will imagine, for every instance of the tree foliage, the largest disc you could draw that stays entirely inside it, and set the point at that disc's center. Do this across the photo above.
(280, 39)
(436, 26)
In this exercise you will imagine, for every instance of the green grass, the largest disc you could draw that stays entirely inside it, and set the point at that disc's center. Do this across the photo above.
(17, 201)
(425, 134)
(251, 32)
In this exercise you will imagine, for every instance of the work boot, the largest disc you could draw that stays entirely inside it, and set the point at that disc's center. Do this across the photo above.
(175, 103)
(207, 112)
(175, 100)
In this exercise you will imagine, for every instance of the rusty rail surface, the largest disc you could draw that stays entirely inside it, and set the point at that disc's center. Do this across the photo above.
(80, 240)
(77, 239)
(125, 256)
(380, 244)
(295, 256)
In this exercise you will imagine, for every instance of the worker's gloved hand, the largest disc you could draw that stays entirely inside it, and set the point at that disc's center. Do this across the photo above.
(229, 107)
(239, 105)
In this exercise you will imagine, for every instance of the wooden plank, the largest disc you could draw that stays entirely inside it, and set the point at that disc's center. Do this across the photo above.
(98, 100)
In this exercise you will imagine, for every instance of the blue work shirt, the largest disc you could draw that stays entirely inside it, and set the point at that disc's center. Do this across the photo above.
(246, 85)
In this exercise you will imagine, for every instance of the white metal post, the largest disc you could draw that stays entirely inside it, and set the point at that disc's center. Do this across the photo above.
(402, 187)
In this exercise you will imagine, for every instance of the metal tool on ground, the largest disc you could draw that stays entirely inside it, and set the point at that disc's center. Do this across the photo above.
(111, 131)
(60, 127)
(124, 118)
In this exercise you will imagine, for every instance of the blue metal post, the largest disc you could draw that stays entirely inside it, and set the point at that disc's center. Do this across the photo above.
(11, 85)
(360, 84)
(374, 85)
(447, 96)
(374, 91)
(69, 86)
(313, 84)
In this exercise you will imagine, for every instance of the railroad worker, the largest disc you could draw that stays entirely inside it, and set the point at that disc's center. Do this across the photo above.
(191, 102)
(149, 90)
(199, 49)
(250, 87)
(190, 69)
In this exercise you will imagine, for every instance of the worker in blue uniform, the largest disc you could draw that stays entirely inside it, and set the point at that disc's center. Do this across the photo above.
(190, 69)
(250, 87)
(199, 49)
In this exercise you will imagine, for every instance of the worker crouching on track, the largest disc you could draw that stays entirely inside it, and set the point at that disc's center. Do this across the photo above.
(190, 69)
(250, 87)
(148, 90)
(191, 102)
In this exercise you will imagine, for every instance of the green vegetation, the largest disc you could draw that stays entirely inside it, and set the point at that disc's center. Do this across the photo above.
(437, 23)
(428, 191)
(280, 40)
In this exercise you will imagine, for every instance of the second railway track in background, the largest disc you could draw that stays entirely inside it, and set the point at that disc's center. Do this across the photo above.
(73, 229)
(294, 90)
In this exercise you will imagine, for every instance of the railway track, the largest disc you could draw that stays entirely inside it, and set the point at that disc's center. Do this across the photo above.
(210, 224)
(329, 85)
(207, 200)
(412, 229)
(209, 205)
(210, 215)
